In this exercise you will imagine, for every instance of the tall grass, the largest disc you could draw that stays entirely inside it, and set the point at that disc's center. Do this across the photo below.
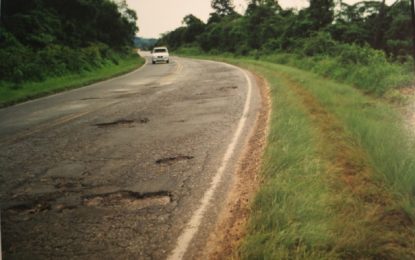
(372, 217)
(339, 173)
(376, 76)
(291, 215)
(376, 126)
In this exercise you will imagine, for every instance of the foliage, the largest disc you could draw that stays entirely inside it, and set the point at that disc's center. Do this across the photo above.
(366, 44)
(46, 38)
(362, 67)
(10, 93)
(266, 25)
(223, 7)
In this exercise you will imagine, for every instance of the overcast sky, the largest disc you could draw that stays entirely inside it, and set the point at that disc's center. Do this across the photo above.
(159, 16)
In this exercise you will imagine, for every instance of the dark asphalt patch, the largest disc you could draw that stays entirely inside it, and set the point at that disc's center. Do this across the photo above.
(228, 87)
(128, 199)
(144, 120)
(118, 122)
(29, 208)
(174, 159)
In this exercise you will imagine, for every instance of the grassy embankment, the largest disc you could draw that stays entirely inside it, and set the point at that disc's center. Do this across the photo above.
(338, 173)
(10, 93)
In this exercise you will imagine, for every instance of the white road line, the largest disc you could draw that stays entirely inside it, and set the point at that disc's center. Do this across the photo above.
(1, 251)
(193, 225)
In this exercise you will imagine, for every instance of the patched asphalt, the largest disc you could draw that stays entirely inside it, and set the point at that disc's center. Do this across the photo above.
(115, 170)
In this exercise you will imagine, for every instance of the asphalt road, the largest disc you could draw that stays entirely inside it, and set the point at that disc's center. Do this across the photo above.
(116, 170)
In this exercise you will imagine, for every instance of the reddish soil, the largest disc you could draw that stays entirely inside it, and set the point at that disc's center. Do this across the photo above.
(232, 224)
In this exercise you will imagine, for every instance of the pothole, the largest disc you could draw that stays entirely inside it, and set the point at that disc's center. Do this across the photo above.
(128, 199)
(29, 208)
(228, 87)
(125, 122)
(144, 120)
(174, 159)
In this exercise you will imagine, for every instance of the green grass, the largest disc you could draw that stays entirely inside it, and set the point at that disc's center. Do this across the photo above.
(377, 76)
(10, 94)
(290, 213)
(366, 69)
(339, 173)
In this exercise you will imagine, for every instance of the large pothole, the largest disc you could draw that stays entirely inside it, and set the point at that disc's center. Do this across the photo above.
(128, 199)
(172, 159)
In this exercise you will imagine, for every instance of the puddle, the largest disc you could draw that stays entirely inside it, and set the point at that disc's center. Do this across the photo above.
(128, 199)
(174, 159)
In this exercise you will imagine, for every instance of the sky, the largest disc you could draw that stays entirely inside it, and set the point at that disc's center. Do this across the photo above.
(160, 16)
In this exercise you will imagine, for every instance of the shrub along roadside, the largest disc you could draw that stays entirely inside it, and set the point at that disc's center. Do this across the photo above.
(11, 92)
(363, 67)
(339, 173)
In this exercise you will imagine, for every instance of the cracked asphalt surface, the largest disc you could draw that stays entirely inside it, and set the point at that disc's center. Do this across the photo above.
(114, 170)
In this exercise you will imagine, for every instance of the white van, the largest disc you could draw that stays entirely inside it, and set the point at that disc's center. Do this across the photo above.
(160, 54)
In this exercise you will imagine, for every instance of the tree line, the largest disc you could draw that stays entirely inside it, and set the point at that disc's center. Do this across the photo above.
(318, 29)
(41, 38)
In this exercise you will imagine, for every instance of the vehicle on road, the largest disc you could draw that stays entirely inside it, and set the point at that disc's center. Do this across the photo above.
(160, 54)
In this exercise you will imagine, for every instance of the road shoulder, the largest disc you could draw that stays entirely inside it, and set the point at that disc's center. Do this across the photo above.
(232, 222)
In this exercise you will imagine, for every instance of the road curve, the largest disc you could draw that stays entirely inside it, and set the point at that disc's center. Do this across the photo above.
(121, 169)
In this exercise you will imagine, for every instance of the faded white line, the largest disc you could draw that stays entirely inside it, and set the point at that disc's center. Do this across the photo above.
(193, 225)
(1, 251)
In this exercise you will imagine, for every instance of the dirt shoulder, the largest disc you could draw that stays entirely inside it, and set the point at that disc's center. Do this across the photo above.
(232, 224)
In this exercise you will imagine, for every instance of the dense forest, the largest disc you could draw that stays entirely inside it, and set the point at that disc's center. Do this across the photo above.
(44, 38)
(367, 44)
(267, 27)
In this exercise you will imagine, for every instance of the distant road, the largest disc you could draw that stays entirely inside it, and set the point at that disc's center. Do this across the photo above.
(116, 170)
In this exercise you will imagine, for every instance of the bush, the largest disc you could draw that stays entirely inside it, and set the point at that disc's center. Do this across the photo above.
(354, 54)
(20, 63)
(319, 43)
(363, 67)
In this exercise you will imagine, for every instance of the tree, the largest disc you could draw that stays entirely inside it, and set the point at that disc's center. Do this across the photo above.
(56, 37)
(321, 13)
(223, 7)
(413, 28)
(194, 27)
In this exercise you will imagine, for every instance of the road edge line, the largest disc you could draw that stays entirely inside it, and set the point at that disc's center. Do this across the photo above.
(193, 225)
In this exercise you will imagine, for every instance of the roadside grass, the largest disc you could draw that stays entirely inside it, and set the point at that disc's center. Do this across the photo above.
(10, 93)
(339, 173)
(369, 170)
(376, 76)
(291, 215)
